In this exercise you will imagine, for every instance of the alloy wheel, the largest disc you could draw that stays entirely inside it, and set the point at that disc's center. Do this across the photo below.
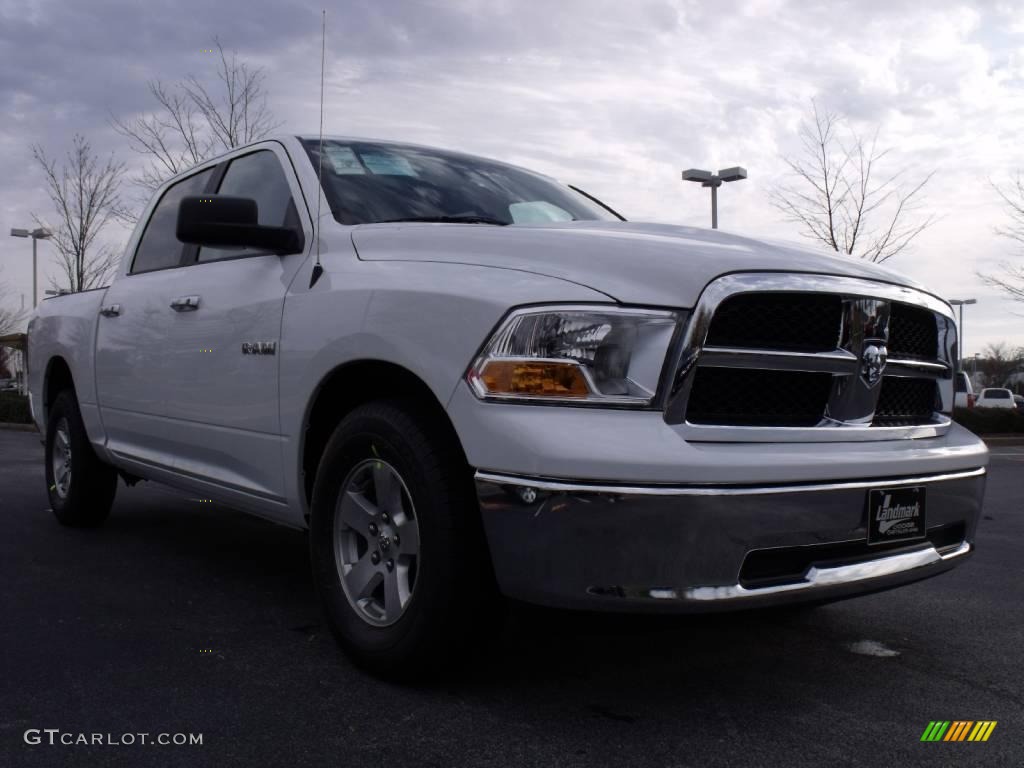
(60, 458)
(376, 542)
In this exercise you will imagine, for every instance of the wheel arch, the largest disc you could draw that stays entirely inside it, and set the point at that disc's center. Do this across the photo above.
(345, 388)
(56, 379)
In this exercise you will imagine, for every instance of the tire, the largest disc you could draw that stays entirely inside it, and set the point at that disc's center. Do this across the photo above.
(83, 496)
(424, 615)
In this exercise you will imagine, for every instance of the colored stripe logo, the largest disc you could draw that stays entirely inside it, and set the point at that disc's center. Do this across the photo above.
(958, 730)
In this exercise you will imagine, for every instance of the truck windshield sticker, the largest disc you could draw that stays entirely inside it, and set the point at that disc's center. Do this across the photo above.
(343, 160)
(537, 212)
(385, 164)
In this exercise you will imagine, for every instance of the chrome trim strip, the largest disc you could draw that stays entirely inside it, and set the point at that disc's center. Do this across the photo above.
(570, 486)
(839, 361)
(817, 578)
(713, 433)
(916, 367)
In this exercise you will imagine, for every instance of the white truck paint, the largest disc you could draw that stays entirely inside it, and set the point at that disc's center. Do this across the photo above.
(169, 396)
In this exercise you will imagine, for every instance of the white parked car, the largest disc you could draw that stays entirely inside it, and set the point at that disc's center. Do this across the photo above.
(963, 396)
(996, 397)
(468, 380)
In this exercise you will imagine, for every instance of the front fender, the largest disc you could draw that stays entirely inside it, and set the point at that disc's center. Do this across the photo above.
(429, 318)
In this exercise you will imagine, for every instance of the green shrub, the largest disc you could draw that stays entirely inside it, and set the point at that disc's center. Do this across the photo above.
(14, 408)
(990, 421)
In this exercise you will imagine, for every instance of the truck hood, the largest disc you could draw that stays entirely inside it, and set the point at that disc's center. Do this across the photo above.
(635, 263)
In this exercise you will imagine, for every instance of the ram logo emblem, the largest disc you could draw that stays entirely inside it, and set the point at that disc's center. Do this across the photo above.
(872, 362)
(259, 347)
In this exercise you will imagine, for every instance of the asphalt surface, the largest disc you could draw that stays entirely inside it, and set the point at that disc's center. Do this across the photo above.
(185, 617)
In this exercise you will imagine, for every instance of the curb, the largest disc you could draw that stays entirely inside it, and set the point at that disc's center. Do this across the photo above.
(18, 427)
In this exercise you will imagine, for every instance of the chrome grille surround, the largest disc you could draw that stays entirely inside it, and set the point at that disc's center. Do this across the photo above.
(853, 364)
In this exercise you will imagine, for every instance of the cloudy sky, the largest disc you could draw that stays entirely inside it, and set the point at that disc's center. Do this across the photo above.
(614, 96)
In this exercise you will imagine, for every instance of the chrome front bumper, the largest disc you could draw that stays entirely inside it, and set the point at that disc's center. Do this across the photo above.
(688, 548)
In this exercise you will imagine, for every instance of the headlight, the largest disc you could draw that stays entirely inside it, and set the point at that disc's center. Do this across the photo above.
(601, 355)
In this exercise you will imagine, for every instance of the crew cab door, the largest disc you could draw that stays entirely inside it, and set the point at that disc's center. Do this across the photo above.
(218, 321)
(130, 336)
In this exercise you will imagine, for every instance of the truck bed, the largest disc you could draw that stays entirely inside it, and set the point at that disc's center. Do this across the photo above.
(65, 326)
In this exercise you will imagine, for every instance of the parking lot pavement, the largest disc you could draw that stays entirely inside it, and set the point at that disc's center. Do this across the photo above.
(182, 616)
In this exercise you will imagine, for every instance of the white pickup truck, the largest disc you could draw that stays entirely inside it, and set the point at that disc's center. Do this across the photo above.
(468, 380)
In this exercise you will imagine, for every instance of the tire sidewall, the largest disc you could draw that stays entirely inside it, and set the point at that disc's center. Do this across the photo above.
(63, 408)
(93, 483)
(369, 433)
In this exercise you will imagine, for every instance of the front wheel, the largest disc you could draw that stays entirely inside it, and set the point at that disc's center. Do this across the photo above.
(81, 487)
(398, 553)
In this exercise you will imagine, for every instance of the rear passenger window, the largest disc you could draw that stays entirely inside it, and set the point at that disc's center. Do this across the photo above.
(258, 176)
(159, 248)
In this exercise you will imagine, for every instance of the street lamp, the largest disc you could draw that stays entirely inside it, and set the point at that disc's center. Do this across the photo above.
(36, 234)
(714, 180)
(960, 341)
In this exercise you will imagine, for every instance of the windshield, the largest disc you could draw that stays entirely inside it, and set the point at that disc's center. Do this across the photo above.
(367, 183)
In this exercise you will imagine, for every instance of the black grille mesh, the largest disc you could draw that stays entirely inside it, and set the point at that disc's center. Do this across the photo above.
(784, 321)
(904, 401)
(913, 333)
(744, 397)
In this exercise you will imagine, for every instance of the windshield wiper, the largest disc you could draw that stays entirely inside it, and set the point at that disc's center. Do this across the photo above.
(469, 219)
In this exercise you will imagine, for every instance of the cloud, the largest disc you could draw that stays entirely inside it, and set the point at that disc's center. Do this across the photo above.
(616, 97)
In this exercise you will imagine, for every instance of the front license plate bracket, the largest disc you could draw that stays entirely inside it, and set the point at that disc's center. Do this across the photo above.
(896, 514)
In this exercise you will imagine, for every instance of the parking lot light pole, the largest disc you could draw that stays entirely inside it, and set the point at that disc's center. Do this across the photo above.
(36, 234)
(960, 331)
(714, 180)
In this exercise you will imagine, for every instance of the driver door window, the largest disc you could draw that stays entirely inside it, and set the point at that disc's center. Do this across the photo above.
(258, 176)
(159, 248)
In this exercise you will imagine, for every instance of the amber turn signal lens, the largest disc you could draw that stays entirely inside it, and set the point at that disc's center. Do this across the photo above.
(509, 377)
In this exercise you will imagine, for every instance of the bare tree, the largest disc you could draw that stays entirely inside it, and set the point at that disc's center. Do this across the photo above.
(10, 319)
(998, 361)
(1011, 279)
(840, 198)
(85, 191)
(10, 322)
(193, 122)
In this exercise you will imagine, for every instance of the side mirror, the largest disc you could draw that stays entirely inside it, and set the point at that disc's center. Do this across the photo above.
(218, 221)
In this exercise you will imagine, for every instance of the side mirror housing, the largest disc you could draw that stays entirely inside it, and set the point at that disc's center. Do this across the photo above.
(217, 221)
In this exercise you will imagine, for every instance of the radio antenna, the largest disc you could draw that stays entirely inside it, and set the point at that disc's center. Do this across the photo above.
(318, 268)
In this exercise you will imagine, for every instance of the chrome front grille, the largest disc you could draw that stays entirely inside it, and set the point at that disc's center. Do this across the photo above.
(813, 357)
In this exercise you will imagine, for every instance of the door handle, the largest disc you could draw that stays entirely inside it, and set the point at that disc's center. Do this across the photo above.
(113, 310)
(185, 304)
